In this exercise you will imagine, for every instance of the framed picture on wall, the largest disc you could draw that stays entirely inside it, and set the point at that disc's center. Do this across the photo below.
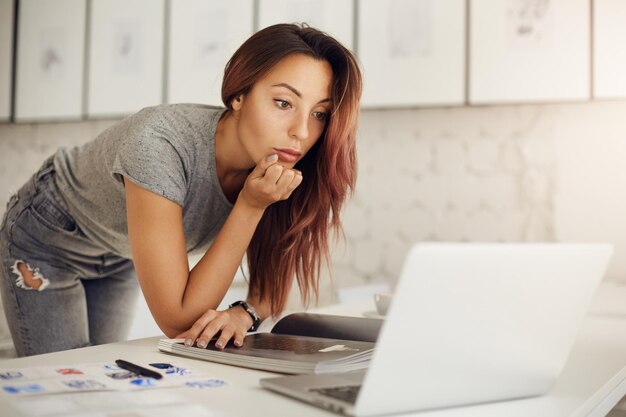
(125, 56)
(50, 59)
(609, 55)
(203, 35)
(529, 50)
(6, 57)
(335, 17)
(412, 52)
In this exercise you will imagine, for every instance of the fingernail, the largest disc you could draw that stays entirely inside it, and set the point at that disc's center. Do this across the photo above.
(188, 342)
(237, 342)
(219, 344)
(272, 158)
(201, 344)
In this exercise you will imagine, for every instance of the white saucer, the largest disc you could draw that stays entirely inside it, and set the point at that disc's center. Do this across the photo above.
(373, 314)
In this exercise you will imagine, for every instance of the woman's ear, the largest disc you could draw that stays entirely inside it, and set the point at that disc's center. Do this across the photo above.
(237, 102)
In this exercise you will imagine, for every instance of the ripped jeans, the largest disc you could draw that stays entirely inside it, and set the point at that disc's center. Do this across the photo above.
(59, 290)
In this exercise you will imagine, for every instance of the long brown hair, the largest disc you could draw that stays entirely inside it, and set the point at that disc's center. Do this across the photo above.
(292, 236)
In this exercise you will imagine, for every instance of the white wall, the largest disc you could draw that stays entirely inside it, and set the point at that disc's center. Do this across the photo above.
(506, 173)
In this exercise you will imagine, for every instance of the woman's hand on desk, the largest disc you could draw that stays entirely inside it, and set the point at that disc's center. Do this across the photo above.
(230, 324)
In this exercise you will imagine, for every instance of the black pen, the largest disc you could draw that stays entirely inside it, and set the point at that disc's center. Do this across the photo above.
(139, 370)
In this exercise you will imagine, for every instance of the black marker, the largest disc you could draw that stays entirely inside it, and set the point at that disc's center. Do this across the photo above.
(139, 370)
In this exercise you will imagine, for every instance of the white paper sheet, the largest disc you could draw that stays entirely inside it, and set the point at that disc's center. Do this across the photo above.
(104, 389)
(20, 382)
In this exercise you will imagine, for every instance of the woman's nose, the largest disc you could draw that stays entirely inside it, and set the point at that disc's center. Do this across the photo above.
(300, 127)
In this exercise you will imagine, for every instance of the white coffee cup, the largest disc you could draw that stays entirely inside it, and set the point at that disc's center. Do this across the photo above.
(382, 300)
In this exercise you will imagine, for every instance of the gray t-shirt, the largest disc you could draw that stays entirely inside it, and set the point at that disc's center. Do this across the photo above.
(167, 149)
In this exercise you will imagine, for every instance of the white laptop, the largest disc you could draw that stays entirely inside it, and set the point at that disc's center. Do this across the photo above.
(469, 323)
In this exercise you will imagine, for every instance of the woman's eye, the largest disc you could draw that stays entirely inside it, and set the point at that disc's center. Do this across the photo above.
(320, 115)
(282, 103)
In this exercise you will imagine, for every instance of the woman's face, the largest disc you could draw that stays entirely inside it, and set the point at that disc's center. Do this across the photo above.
(285, 112)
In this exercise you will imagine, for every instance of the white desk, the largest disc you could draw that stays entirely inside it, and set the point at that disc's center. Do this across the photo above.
(593, 381)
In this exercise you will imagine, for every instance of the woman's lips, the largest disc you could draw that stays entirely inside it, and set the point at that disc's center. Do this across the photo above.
(288, 155)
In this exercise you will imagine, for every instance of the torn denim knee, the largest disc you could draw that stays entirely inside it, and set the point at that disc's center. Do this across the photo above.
(27, 277)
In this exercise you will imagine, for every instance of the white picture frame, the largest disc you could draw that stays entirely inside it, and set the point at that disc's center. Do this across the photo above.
(50, 60)
(126, 40)
(202, 38)
(609, 55)
(412, 52)
(529, 51)
(7, 9)
(336, 17)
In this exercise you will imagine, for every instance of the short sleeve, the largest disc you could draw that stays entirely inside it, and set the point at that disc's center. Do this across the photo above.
(152, 162)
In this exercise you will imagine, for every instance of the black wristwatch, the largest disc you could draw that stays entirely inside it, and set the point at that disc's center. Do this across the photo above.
(251, 311)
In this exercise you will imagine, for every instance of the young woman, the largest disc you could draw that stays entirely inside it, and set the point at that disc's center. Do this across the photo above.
(266, 175)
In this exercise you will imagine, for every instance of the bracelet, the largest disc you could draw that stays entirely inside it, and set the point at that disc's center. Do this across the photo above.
(251, 311)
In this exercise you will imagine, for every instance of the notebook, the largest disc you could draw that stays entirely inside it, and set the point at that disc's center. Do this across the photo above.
(298, 343)
(469, 323)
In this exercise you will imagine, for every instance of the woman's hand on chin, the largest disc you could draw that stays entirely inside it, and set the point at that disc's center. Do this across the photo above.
(268, 183)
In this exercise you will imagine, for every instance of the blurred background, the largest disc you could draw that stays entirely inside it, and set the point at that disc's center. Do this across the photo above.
(482, 120)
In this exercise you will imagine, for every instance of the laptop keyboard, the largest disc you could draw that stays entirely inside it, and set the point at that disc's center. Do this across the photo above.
(347, 393)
